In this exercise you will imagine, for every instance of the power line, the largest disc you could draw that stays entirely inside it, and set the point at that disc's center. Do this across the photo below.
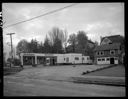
(41, 15)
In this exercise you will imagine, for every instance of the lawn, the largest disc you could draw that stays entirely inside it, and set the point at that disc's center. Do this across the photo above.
(117, 71)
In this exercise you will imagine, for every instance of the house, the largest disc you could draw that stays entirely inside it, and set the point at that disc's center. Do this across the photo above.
(110, 50)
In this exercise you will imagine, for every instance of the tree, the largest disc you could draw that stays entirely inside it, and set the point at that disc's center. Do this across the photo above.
(41, 48)
(57, 47)
(47, 45)
(9, 60)
(33, 46)
(90, 48)
(22, 47)
(82, 39)
(64, 40)
(72, 41)
(56, 37)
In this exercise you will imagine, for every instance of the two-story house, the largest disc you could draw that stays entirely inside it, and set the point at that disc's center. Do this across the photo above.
(110, 50)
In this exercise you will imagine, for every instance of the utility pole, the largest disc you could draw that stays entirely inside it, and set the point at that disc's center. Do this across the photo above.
(11, 46)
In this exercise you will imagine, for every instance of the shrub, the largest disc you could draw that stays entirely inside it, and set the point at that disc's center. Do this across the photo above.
(16, 62)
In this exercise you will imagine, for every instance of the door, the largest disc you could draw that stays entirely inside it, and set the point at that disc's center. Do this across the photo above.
(111, 60)
(67, 59)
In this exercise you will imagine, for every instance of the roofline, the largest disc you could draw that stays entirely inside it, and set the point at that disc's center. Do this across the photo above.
(107, 37)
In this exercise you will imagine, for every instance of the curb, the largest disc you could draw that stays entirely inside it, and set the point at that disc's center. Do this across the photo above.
(99, 82)
(98, 69)
(82, 80)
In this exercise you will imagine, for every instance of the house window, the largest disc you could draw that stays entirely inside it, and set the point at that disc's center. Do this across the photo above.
(108, 59)
(105, 41)
(110, 42)
(99, 59)
(87, 58)
(98, 53)
(82, 58)
(67, 59)
(47, 61)
(112, 52)
(76, 58)
(102, 53)
(116, 58)
(103, 59)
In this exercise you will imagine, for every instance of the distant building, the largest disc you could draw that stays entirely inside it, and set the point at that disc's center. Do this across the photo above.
(110, 50)
(53, 59)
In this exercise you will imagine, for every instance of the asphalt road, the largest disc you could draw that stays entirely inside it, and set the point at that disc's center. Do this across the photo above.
(18, 86)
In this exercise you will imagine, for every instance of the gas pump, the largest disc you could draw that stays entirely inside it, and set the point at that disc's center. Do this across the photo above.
(47, 61)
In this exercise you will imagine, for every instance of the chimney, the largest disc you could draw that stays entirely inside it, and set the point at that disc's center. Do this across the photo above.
(100, 39)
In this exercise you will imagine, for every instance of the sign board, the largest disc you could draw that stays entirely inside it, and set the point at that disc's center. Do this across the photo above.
(29, 54)
(49, 55)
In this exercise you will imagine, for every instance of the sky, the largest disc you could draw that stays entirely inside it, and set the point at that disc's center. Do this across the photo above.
(96, 19)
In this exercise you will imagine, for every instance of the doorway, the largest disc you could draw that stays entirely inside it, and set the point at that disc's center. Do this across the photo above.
(28, 60)
(53, 61)
(111, 60)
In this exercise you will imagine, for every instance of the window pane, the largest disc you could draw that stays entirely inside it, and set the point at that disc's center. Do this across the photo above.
(97, 53)
(107, 59)
(76, 58)
(103, 59)
(115, 58)
(99, 59)
(67, 59)
(112, 52)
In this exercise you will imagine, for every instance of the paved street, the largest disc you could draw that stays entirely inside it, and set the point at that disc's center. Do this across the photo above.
(30, 87)
(36, 82)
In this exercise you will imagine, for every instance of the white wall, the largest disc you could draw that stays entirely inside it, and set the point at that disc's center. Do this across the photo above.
(72, 56)
(116, 61)
(60, 58)
(87, 60)
(106, 62)
(103, 62)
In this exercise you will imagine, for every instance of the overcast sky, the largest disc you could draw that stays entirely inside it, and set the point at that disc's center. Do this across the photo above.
(97, 19)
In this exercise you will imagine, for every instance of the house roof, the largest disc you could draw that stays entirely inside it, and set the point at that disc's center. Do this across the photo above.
(89, 41)
(108, 47)
(114, 38)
